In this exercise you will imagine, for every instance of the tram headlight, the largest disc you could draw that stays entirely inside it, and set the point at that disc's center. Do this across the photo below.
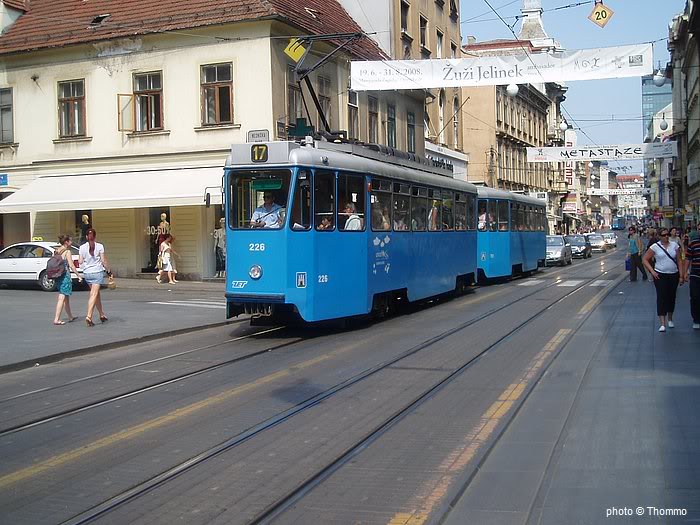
(255, 271)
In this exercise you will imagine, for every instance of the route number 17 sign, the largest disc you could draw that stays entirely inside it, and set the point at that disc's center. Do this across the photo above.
(601, 14)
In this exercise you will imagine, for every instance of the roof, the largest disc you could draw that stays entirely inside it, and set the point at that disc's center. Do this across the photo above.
(20, 5)
(57, 23)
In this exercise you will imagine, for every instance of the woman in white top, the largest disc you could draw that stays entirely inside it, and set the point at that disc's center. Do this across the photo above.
(166, 256)
(94, 263)
(667, 275)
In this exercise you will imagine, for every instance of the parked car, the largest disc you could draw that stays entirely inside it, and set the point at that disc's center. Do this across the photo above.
(558, 250)
(580, 247)
(610, 239)
(25, 262)
(597, 242)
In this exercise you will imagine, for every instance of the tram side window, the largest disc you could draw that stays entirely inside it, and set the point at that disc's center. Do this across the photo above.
(502, 216)
(324, 200)
(402, 207)
(471, 212)
(483, 216)
(434, 218)
(460, 212)
(521, 217)
(529, 219)
(419, 208)
(380, 205)
(351, 196)
(493, 220)
(301, 205)
(447, 211)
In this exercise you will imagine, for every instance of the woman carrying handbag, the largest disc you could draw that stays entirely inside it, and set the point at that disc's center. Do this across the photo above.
(667, 273)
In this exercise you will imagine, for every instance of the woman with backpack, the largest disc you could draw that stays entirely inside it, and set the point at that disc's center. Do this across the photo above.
(668, 273)
(64, 282)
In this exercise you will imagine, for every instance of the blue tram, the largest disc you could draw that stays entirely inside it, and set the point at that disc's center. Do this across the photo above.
(323, 231)
(512, 230)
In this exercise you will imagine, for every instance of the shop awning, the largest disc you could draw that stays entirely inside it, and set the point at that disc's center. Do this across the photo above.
(130, 189)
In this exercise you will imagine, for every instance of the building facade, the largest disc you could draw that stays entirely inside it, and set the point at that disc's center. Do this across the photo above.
(413, 30)
(130, 129)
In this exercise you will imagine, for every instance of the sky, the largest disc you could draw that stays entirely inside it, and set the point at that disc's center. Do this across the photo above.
(633, 22)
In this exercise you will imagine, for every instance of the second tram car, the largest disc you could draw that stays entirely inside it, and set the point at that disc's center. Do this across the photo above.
(512, 230)
(327, 231)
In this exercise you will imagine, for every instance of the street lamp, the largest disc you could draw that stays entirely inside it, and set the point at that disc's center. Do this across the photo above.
(563, 126)
(663, 124)
(512, 90)
(659, 78)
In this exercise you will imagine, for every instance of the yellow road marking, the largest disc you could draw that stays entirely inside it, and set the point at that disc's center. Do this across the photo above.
(132, 432)
(436, 489)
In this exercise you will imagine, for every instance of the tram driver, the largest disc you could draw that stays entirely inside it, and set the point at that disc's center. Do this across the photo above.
(269, 215)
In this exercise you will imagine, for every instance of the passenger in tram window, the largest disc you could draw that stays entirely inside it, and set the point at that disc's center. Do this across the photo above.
(325, 224)
(400, 222)
(269, 215)
(353, 221)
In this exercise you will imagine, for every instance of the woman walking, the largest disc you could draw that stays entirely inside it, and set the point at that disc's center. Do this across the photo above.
(94, 263)
(65, 283)
(166, 256)
(667, 274)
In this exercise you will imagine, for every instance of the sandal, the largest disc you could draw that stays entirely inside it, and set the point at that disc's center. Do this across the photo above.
(89, 322)
(103, 319)
(158, 280)
(59, 323)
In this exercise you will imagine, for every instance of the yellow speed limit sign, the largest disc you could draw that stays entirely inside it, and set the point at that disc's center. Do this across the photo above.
(601, 14)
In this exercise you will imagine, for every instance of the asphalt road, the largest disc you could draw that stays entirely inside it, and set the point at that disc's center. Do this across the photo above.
(28, 333)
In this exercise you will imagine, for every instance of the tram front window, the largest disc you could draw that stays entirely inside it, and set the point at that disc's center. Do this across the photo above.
(259, 199)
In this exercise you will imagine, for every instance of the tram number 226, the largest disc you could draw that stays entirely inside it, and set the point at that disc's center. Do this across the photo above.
(323, 278)
(256, 247)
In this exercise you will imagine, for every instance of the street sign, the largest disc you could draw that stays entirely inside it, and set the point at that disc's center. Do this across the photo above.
(3, 179)
(601, 14)
(295, 50)
(258, 135)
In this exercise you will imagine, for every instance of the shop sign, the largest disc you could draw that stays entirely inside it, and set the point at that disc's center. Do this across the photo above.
(258, 135)
(689, 217)
(443, 163)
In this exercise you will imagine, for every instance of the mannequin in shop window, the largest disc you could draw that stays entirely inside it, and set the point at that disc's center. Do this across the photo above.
(220, 248)
(84, 227)
(163, 229)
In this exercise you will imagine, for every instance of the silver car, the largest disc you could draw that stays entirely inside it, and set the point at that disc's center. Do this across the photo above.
(610, 239)
(597, 242)
(558, 250)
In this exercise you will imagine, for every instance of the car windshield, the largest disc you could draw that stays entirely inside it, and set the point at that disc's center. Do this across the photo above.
(596, 237)
(259, 198)
(555, 241)
(576, 240)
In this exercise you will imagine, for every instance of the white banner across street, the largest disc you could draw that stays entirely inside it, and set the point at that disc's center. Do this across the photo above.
(650, 150)
(533, 68)
(611, 191)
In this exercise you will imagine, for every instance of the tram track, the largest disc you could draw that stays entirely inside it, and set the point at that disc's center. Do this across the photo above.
(290, 498)
(96, 403)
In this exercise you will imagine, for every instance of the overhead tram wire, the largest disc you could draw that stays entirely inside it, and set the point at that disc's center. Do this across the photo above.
(474, 20)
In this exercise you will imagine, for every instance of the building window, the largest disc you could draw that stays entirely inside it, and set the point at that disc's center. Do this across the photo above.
(148, 92)
(391, 126)
(455, 123)
(426, 123)
(217, 94)
(6, 129)
(423, 35)
(453, 50)
(373, 120)
(295, 106)
(353, 116)
(411, 132)
(406, 50)
(71, 108)
(324, 99)
(454, 12)
(404, 17)
(438, 45)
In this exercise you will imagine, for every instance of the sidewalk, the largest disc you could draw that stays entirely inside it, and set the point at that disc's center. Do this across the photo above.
(143, 283)
(611, 434)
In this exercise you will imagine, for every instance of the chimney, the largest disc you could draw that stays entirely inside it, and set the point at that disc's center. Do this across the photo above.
(471, 40)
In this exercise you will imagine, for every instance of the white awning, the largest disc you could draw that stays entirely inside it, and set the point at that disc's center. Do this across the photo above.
(130, 189)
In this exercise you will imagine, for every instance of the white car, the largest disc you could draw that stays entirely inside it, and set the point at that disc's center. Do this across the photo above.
(26, 262)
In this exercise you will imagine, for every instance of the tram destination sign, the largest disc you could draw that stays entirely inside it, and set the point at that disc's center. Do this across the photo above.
(535, 68)
(652, 150)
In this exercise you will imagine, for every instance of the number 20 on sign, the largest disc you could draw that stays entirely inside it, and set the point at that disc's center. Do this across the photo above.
(601, 14)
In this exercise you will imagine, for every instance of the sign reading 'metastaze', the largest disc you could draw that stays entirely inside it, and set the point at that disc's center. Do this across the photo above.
(534, 68)
(650, 150)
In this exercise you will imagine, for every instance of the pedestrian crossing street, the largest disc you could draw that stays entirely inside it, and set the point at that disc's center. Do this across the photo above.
(216, 304)
(569, 283)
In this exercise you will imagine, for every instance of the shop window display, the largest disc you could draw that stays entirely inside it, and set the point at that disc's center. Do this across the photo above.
(158, 227)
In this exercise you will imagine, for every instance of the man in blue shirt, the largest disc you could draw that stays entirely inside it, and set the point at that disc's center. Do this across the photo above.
(269, 215)
(634, 253)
